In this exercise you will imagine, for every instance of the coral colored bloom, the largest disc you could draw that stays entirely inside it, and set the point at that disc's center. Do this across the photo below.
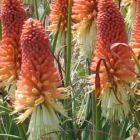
(58, 21)
(135, 36)
(84, 13)
(58, 8)
(7, 59)
(38, 87)
(116, 69)
(12, 18)
(84, 10)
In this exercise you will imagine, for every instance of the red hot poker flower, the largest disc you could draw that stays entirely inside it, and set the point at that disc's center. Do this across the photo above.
(84, 10)
(7, 59)
(116, 68)
(58, 21)
(39, 81)
(84, 13)
(135, 37)
(58, 8)
(13, 16)
(111, 29)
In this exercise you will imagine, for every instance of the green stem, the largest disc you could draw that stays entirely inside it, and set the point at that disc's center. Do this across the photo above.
(123, 129)
(36, 9)
(56, 34)
(114, 131)
(9, 129)
(69, 125)
(22, 131)
(98, 120)
(93, 117)
(68, 49)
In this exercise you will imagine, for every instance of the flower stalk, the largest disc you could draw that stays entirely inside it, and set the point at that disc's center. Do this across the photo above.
(98, 135)
(69, 45)
(68, 65)
(114, 131)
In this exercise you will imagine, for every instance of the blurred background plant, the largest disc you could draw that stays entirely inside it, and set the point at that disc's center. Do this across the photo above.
(84, 121)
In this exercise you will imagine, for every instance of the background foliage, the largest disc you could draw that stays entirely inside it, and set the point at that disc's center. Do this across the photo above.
(85, 116)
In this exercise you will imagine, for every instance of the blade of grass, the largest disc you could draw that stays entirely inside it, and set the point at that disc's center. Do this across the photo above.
(22, 131)
(123, 129)
(11, 136)
(46, 10)
(56, 34)
(98, 120)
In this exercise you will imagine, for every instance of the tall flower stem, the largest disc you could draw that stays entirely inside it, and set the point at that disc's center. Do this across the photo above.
(68, 67)
(98, 120)
(93, 100)
(56, 34)
(36, 9)
(114, 131)
(68, 49)
(22, 131)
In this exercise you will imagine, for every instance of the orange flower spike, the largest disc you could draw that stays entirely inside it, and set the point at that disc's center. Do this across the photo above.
(116, 69)
(84, 14)
(84, 10)
(135, 36)
(12, 16)
(7, 59)
(111, 29)
(39, 84)
(38, 71)
(58, 8)
(110, 23)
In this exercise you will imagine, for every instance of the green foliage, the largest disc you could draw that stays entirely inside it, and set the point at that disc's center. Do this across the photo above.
(85, 122)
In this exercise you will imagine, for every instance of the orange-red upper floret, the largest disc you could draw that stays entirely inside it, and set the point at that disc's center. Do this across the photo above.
(12, 16)
(84, 10)
(58, 8)
(110, 24)
(12, 19)
(135, 36)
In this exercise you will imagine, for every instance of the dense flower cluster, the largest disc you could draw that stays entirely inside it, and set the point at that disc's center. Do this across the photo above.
(113, 55)
(84, 10)
(39, 83)
(135, 37)
(84, 15)
(59, 8)
(58, 21)
(12, 18)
